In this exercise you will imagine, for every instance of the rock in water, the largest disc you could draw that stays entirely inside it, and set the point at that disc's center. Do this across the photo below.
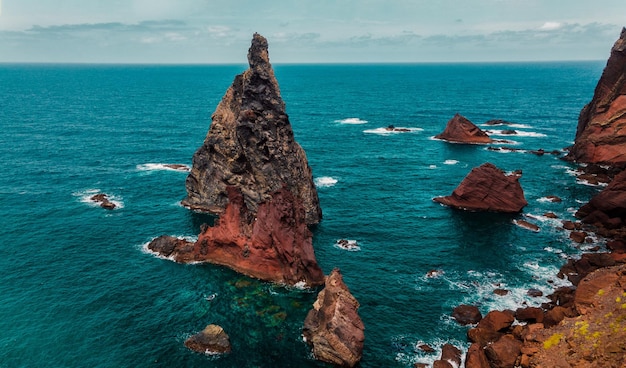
(211, 340)
(251, 145)
(333, 327)
(461, 130)
(275, 244)
(487, 188)
(601, 133)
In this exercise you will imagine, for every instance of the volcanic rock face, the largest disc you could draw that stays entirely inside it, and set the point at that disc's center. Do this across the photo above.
(333, 327)
(601, 133)
(251, 145)
(461, 130)
(273, 245)
(607, 210)
(487, 188)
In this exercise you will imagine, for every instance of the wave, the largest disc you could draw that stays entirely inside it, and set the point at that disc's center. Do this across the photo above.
(518, 133)
(84, 196)
(144, 248)
(347, 244)
(159, 166)
(325, 182)
(353, 121)
(450, 162)
(512, 125)
(395, 130)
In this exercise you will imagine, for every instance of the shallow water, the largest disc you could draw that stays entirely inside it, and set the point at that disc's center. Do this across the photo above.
(78, 289)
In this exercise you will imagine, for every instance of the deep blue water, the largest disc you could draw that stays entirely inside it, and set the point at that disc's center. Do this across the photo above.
(78, 290)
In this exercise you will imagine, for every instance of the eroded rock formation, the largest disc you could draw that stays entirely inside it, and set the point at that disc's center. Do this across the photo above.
(460, 130)
(274, 244)
(333, 327)
(487, 188)
(601, 132)
(211, 340)
(251, 145)
(607, 210)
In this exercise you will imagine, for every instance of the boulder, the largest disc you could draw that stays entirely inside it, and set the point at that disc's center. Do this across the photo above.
(487, 188)
(504, 352)
(497, 320)
(250, 145)
(274, 244)
(211, 340)
(529, 314)
(527, 225)
(104, 201)
(476, 357)
(452, 354)
(460, 130)
(466, 314)
(601, 132)
(333, 327)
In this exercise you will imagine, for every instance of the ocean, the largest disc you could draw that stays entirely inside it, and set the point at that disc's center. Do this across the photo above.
(79, 289)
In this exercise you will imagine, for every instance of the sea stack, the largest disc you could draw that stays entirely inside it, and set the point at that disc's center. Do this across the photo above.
(601, 132)
(250, 145)
(333, 327)
(487, 188)
(460, 130)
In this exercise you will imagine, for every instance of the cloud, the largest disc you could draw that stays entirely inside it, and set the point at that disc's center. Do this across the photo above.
(550, 26)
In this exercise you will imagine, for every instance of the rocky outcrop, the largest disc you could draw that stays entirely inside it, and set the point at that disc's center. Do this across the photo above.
(104, 201)
(211, 340)
(333, 327)
(460, 130)
(607, 210)
(250, 145)
(487, 188)
(601, 132)
(466, 314)
(274, 244)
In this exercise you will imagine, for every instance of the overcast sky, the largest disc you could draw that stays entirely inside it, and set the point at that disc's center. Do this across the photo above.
(309, 31)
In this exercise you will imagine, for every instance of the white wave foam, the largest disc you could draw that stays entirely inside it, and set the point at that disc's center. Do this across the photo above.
(512, 125)
(396, 130)
(325, 181)
(432, 166)
(144, 247)
(419, 356)
(353, 121)
(159, 166)
(450, 162)
(518, 133)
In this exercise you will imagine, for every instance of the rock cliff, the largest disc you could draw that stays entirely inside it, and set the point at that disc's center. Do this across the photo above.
(607, 210)
(460, 130)
(251, 145)
(273, 244)
(487, 188)
(333, 327)
(601, 132)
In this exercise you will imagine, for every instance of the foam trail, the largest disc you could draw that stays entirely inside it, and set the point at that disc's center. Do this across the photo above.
(85, 197)
(352, 121)
(450, 162)
(325, 181)
(386, 131)
(160, 166)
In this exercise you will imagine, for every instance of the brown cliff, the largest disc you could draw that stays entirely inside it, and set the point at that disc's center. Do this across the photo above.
(601, 132)
(487, 188)
(274, 244)
(251, 145)
(333, 327)
(460, 130)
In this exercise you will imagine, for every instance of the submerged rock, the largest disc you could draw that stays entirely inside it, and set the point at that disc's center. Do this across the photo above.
(601, 132)
(487, 188)
(333, 327)
(104, 201)
(250, 145)
(460, 130)
(211, 340)
(273, 245)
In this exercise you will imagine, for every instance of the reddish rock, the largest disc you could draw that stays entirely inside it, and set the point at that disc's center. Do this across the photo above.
(104, 201)
(578, 236)
(601, 132)
(554, 316)
(534, 292)
(211, 340)
(504, 352)
(426, 348)
(551, 215)
(460, 130)
(487, 188)
(483, 336)
(442, 364)
(553, 199)
(592, 287)
(476, 357)
(250, 145)
(526, 225)
(529, 314)
(275, 245)
(607, 209)
(451, 354)
(467, 314)
(497, 320)
(501, 292)
(333, 327)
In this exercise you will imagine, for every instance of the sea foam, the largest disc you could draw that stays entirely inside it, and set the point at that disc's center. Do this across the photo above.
(84, 196)
(159, 166)
(352, 121)
(325, 181)
(386, 131)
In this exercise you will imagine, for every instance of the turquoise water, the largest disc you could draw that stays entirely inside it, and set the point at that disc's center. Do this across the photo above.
(78, 290)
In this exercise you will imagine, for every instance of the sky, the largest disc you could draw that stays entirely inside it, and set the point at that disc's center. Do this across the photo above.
(308, 31)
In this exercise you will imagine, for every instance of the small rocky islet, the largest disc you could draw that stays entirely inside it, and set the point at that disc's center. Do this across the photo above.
(582, 326)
